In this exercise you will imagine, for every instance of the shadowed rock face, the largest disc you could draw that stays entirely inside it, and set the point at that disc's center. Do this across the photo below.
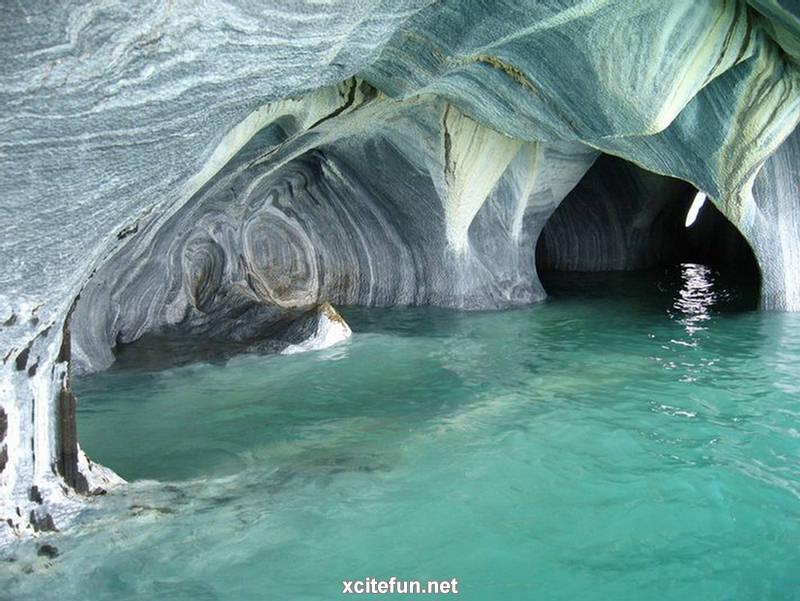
(610, 221)
(293, 332)
(219, 170)
(620, 217)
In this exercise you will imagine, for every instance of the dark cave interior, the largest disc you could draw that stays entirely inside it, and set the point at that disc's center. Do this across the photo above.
(621, 218)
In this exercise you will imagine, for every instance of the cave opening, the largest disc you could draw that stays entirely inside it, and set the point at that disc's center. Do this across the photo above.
(624, 230)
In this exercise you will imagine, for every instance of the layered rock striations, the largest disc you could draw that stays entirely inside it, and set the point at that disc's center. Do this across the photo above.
(294, 220)
(219, 171)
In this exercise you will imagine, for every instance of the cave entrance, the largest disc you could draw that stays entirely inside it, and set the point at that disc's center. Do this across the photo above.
(621, 220)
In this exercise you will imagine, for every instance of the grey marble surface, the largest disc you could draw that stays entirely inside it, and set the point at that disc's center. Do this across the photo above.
(172, 160)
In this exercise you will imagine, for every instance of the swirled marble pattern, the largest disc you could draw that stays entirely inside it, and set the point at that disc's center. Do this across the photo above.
(214, 170)
(300, 225)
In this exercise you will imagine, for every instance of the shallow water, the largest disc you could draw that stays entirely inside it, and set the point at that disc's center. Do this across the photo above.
(633, 438)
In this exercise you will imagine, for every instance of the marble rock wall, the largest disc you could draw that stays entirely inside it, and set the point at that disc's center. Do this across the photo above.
(169, 167)
(389, 202)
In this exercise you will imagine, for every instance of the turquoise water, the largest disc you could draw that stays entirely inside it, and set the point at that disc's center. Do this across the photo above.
(633, 438)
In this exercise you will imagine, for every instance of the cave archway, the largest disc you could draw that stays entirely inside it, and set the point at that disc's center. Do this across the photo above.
(622, 218)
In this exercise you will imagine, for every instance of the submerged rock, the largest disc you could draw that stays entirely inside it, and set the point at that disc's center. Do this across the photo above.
(48, 551)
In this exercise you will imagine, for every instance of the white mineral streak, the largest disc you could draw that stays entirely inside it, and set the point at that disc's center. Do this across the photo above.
(549, 171)
(97, 476)
(217, 168)
(475, 158)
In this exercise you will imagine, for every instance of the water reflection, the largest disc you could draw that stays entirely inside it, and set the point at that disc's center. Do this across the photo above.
(696, 298)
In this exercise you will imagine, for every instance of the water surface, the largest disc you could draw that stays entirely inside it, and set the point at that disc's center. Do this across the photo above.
(634, 437)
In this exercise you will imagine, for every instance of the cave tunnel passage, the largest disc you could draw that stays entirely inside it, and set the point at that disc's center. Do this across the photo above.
(621, 218)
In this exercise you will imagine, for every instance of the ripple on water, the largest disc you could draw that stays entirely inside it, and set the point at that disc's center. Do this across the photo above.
(606, 445)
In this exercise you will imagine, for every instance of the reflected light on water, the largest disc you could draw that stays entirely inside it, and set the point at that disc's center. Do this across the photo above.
(697, 296)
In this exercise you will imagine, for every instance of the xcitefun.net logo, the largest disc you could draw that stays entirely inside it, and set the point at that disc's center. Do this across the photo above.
(392, 586)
